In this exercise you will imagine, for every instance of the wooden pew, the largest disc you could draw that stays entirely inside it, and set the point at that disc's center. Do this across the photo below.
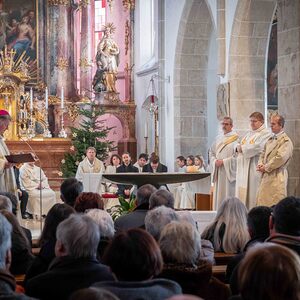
(219, 272)
(20, 279)
(222, 258)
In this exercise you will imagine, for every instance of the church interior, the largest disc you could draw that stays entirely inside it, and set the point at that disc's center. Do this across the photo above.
(196, 99)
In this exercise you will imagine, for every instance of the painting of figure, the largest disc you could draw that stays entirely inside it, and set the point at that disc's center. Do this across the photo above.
(18, 26)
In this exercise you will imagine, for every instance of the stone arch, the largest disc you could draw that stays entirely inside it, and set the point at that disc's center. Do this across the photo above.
(247, 58)
(190, 79)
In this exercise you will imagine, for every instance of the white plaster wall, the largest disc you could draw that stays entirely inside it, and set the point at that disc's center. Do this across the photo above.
(173, 11)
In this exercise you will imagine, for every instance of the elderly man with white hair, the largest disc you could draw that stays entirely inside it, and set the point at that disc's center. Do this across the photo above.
(75, 266)
(7, 281)
(157, 218)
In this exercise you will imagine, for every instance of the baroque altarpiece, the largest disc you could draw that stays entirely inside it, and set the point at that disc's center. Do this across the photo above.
(57, 56)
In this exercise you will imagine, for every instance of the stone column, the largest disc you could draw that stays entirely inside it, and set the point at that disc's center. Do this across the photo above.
(289, 81)
(60, 45)
(86, 46)
(221, 37)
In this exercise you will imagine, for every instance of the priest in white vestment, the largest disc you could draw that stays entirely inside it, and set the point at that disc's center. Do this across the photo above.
(249, 150)
(34, 181)
(90, 164)
(7, 177)
(223, 163)
(273, 163)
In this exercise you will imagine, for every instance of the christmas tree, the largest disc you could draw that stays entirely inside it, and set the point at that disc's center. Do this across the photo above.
(91, 132)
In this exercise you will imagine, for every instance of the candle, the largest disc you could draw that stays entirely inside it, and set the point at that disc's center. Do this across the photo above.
(62, 98)
(46, 98)
(31, 99)
(146, 129)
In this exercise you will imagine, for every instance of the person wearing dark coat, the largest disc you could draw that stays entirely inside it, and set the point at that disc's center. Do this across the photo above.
(154, 166)
(7, 280)
(58, 213)
(184, 265)
(134, 258)
(284, 229)
(75, 266)
(136, 218)
(125, 167)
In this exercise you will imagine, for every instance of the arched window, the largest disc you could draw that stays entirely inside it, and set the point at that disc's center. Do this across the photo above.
(147, 30)
(272, 73)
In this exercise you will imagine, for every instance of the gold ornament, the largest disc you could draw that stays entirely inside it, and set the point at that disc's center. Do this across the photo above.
(129, 4)
(62, 63)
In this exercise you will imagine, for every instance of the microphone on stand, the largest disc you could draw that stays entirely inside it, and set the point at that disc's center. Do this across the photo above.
(36, 157)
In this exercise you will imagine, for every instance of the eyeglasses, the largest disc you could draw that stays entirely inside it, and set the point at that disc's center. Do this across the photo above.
(225, 124)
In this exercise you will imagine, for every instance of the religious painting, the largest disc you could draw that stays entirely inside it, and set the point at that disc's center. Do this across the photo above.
(272, 73)
(18, 26)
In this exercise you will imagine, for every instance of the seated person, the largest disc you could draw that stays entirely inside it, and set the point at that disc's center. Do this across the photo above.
(269, 271)
(86, 201)
(90, 164)
(229, 231)
(181, 164)
(34, 180)
(115, 161)
(185, 193)
(75, 266)
(70, 189)
(190, 160)
(142, 160)
(58, 213)
(7, 280)
(155, 166)
(126, 167)
(136, 218)
(199, 162)
(21, 247)
(135, 258)
(184, 265)
(23, 195)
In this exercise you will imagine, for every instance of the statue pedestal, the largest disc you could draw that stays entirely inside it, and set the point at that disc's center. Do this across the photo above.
(108, 98)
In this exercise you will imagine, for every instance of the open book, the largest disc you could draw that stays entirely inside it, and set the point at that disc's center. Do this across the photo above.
(20, 158)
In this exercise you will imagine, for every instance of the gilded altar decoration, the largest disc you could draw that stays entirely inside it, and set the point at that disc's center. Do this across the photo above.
(62, 63)
(58, 2)
(11, 65)
(127, 36)
(128, 4)
(73, 111)
(84, 63)
(84, 3)
(107, 60)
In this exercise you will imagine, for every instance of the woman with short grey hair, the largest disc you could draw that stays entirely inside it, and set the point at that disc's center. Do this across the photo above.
(157, 218)
(106, 227)
(180, 247)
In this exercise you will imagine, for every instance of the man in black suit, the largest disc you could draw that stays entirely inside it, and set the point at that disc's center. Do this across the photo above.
(126, 167)
(155, 166)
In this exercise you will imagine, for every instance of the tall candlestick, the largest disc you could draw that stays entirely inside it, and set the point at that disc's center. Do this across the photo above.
(46, 98)
(146, 130)
(62, 98)
(31, 99)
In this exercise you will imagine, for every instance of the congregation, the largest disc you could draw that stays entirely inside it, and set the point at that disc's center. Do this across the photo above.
(155, 251)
